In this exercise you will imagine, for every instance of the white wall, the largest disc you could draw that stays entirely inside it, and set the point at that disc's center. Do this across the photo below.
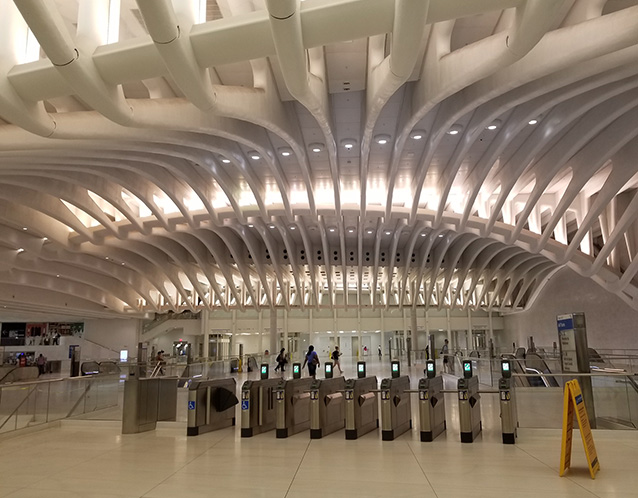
(114, 334)
(611, 323)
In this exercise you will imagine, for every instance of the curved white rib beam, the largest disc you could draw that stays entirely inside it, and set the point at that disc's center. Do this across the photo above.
(73, 62)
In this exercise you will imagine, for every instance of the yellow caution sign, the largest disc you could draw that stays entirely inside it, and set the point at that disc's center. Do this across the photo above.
(574, 400)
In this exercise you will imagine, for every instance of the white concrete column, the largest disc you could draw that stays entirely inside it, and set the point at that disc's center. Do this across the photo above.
(285, 331)
(260, 330)
(360, 351)
(273, 331)
(311, 327)
(490, 329)
(205, 328)
(415, 330)
(468, 333)
(383, 337)
(449, 328)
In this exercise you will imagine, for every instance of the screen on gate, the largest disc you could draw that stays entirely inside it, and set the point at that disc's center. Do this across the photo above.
(362, 367)
(505, 369)
(328, 367)
(264, 369)
(467, 369)
(295, 369)
(395, 369)
(430, 367)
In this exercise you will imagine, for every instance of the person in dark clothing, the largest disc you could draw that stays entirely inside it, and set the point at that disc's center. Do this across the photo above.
(335, 359)
(281, 360)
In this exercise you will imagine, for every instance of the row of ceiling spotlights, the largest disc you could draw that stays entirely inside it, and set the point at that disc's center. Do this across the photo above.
(333, 229)
(383, 139)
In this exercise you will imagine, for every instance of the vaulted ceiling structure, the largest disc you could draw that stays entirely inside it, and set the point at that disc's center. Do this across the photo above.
(214, 154)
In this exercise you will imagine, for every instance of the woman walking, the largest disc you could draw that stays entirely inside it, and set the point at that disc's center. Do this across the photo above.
(281, 360)
(312, 359)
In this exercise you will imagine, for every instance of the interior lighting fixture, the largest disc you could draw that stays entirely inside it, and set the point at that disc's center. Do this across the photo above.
(495, 124)
(417, 134)
(351, 229)
(532, 121)
(250, 225)
(20, 250)
(292, 227)
(423, 234)
(316, 147)
(225, 160)
(388, 232)
(254, 155)
(285, 151)
(58, 276)
(332, 229)
(24, 228)
(382, 139)
(272, 225)
(348, 143)
(369, 231)
(455, 129)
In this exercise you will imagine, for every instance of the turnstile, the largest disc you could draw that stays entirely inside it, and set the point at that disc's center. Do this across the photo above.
(258, 406)
(147, 401)
(469, 409)
(509, 416)
(362, 409)
(396, 408)
(292, 406)
(431, 408)
(211, 405)
(327, 412)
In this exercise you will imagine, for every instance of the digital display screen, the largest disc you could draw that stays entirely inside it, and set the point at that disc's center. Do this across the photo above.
(328, 367)
(124, 355)
(395, 367)
(430, 367)
(361, 367)
(467, 367)
(264, 369)
(505, 366)
(295, 368)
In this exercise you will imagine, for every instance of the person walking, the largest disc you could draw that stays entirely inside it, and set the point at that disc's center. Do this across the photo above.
(444, 352)
(41, 362)
(335, 359)
(380, 353)
(312, 359)
(281, 360)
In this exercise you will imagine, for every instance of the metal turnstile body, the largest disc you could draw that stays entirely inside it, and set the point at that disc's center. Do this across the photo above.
(509, 416)
(431, 408)
(211, 405)
(396, 408)
(258, 406)
(327, 413)
(292, 406)
(148, 401)
(362, 408)
(469, 409)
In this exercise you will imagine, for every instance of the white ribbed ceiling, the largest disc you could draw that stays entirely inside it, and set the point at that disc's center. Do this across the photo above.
(159, 155)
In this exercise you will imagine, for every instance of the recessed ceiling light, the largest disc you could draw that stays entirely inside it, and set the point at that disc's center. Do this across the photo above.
(24, 228)
(292, 227)
(106, 258)
(272, 225)
(417, 134)
(285, 151)
(423, 234)
(123, 264)
(351, 229)
(369, 231)
(494, 124)
(532, 121)
(250, 225)
(455, 129)
(332, 229)
(348, 143)
(440, 235)
(225, 160)
(45, 239)
(382, 139)
(254, 155)
(58, 276)
(20, 250)
(316, 147)
(388, 232)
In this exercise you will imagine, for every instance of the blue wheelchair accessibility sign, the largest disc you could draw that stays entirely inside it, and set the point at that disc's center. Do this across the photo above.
(244, 404)
(191, 405)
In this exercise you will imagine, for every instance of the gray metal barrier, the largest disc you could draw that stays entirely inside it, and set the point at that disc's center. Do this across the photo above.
(469, 409)
(211, 405)
(396, 408)
(509, 416)
(326, 406)
(147, 401)
(431, 408)
(258, 406)
(362, 407)
(292, 406)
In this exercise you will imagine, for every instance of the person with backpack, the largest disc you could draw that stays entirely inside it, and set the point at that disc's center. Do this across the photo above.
(281, 360)
(312, 359)
(335, 359)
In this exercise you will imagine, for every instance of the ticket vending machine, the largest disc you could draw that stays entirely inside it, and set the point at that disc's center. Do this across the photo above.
(509, 416)
(469, 404)
(431, 404)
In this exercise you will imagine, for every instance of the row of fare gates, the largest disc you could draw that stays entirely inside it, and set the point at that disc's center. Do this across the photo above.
(324, 406)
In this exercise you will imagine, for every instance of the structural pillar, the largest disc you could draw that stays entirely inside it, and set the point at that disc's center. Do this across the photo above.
(273, 331)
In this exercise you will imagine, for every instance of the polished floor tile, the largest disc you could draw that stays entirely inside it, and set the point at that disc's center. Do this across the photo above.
(92, 459)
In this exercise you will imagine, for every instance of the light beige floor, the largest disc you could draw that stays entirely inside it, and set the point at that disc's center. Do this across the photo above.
(92, 459)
